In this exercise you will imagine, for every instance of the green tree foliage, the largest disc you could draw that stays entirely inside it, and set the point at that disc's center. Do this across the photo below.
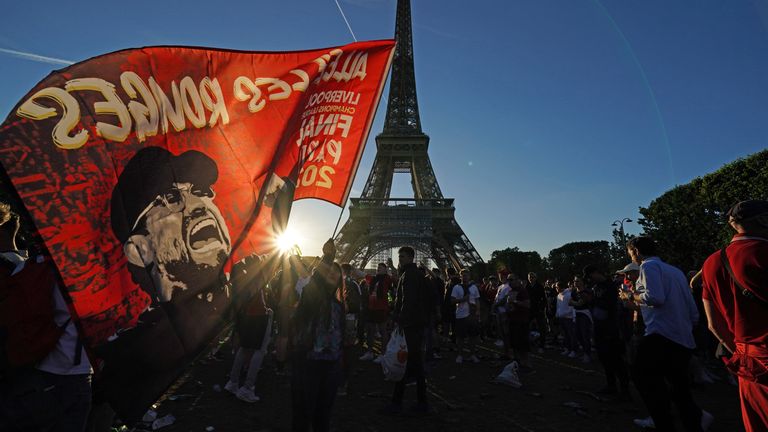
(571, 258)
(688, 221)
(618, 249)
(516, 261)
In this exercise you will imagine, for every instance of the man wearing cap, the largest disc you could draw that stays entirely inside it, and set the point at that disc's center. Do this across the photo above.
(175, 241)
(174, 236)
(663, 353)
(630, 318)
(735, 295)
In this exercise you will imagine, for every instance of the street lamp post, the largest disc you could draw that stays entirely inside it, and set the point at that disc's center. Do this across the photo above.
(620, 224)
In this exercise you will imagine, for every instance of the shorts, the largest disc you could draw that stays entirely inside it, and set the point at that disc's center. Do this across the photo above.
(518, 336)
(465, 328)
(252, 329)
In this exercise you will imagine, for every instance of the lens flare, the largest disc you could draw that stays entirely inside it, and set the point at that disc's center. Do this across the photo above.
(287, 241)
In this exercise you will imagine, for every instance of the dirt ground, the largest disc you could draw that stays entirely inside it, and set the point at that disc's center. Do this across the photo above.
(463, 396)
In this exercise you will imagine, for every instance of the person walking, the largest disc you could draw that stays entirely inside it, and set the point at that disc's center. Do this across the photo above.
(565, 316)
(610, 348)
(735, 295)
(253, 325)
(500, 313)
(411, 314)
(538, 305)
(465, 296)
(353, 299)
(378, 311)
(581, 300)
(518, 319)
(661, 364)
(46, 383)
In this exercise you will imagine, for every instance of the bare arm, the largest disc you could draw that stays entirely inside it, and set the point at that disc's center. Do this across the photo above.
(718, 326)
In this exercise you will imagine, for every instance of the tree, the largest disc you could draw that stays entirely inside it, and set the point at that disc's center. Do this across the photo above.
(689, 222)
(571, 258)
(618, 249)
(516, 261)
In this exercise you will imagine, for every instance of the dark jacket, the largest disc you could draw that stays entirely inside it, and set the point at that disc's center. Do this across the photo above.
(412, 301)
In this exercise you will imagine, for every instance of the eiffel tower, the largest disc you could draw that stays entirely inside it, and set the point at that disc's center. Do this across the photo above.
(377, 222)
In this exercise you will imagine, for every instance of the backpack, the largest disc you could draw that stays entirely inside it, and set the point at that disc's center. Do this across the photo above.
(29, 331)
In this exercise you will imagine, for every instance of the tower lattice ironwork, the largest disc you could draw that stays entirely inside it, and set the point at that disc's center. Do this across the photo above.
(378, 222)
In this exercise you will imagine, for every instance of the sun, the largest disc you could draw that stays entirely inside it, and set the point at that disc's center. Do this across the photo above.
(287, 241)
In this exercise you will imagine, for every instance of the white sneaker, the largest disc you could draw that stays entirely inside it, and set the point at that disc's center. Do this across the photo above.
(378, 359)
(367, 356)
(232, 387)
(645, 423)
(459, 359)
(247, 395)
(499, 343)
(572, 354)
(706, 420)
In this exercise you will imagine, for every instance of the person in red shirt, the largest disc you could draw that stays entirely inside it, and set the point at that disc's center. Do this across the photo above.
(735, 296)
(378, 310)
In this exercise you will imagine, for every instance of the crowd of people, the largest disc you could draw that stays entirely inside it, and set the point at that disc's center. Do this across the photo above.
(648, 325)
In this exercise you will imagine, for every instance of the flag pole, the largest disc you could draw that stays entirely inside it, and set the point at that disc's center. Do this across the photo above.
(339, 220)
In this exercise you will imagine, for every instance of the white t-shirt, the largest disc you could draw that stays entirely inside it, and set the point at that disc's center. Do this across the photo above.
(462, 309)
(501, 298)
(564, 310)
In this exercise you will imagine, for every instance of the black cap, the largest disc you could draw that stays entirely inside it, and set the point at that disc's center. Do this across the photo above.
(748, 209)
(152, 171)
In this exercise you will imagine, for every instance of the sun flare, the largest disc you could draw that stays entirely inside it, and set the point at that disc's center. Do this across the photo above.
(287, 241)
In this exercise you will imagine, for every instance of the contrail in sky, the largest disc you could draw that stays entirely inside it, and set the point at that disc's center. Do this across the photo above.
(37, 58)
(345, 20)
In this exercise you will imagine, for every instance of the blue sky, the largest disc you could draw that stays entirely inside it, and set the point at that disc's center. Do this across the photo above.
(548, 119)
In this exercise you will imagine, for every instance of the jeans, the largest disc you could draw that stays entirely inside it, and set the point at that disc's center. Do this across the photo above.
(313, 391)
(414, 368)
(257, 357)
(568, 327)
(661, 377)
(584, 332)
(610, 351)
(42, 401)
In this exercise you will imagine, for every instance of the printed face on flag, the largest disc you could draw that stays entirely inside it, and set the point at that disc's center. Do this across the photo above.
(150, 172)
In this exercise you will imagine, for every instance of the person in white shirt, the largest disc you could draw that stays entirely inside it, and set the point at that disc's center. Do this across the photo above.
(566, 316)
(465, 296)
(664, 352)
(500, 310)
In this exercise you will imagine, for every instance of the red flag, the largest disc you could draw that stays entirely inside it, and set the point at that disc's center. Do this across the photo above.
(147, 171)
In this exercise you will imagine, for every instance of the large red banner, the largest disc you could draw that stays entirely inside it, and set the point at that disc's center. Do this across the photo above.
(149, 171)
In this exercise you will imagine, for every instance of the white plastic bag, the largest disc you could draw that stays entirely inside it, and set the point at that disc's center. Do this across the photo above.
(395, 357)
(508, 376)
